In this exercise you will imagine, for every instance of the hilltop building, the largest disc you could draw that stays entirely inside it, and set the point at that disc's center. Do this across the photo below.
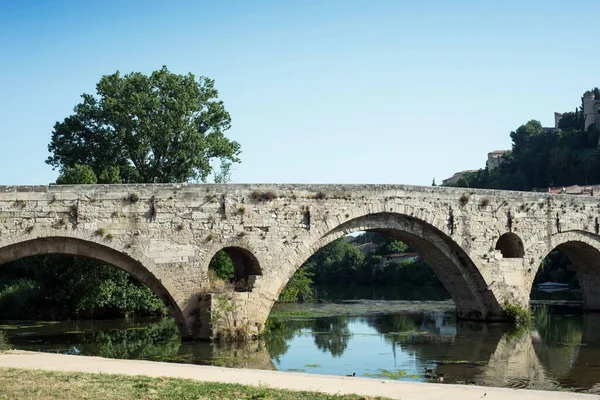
(591, 111)
(495, 159)
(457, 175)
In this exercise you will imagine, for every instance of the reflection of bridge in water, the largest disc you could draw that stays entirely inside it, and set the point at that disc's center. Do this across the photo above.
(554, 355)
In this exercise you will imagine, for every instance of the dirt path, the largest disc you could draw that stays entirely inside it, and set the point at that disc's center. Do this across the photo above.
(283, 380)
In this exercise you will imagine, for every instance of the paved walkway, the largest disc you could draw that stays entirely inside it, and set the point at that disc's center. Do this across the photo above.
(283, 380)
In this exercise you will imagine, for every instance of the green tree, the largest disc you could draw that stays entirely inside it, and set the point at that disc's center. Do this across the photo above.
(78, 174)
(222, 265)
(159, 128)
(136, 129)
(299, 288)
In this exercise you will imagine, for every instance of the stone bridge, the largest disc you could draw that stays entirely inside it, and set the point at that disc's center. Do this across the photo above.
(485, 246)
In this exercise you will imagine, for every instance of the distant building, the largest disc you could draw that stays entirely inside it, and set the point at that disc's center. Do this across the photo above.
(495, 159)
(587, 190)
(399, 257)
(557, 117)
(367, 248)
(591, 111)
(360, 242)
(456, 177)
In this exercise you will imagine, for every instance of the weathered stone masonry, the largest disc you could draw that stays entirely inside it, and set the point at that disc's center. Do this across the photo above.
(485, 246)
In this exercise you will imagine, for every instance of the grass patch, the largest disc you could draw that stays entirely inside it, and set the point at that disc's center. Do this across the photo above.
(463, 362)
(297, 314)
(384, 373)
(35, 384)
(312, 365)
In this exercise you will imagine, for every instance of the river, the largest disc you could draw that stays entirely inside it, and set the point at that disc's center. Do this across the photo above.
(372, 338)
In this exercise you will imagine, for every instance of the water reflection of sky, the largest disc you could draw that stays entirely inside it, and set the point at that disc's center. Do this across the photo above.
(367, 352)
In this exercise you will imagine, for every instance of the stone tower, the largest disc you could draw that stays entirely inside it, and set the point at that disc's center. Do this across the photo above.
(590, 108)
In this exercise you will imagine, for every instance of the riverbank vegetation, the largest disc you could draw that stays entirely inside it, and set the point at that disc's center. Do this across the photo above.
(37, 384)
(58, 287)
(343, 263)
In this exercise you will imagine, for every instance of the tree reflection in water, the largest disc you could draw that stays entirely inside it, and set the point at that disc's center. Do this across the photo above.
(155, 341)
(332, 334)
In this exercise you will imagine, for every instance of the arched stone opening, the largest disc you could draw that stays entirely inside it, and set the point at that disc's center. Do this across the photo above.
(453, 267)
(582, 260)
(245, 267)
(510, 245)
(93, 250)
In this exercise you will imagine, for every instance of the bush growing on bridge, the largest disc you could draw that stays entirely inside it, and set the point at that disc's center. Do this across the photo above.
(522, 316)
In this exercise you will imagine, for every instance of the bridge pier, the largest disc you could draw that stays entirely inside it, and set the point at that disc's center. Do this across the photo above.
(230, 316)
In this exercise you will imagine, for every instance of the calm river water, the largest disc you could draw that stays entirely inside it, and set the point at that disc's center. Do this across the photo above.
(371, 338)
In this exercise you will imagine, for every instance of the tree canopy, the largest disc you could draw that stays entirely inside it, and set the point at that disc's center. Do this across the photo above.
(142, 129)
(542, 157)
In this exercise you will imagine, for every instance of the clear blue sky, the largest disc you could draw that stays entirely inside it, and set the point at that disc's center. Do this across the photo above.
(334, 91)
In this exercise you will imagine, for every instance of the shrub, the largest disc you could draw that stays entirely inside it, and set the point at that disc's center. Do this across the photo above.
(464, 199)
(521, 315)
(485, 202)
(3, 342)
(19, 299)
(263, 196)
(269, 195)
(256, 195)
(133, 197)
(320, 195)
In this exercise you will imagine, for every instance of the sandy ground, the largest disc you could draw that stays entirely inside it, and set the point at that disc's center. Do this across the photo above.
(284, 380)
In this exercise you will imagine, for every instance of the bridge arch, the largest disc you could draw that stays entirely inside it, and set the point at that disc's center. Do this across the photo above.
(246, 266)
(583, 250)
(136, 266)
(510, 245)
(453, 267)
